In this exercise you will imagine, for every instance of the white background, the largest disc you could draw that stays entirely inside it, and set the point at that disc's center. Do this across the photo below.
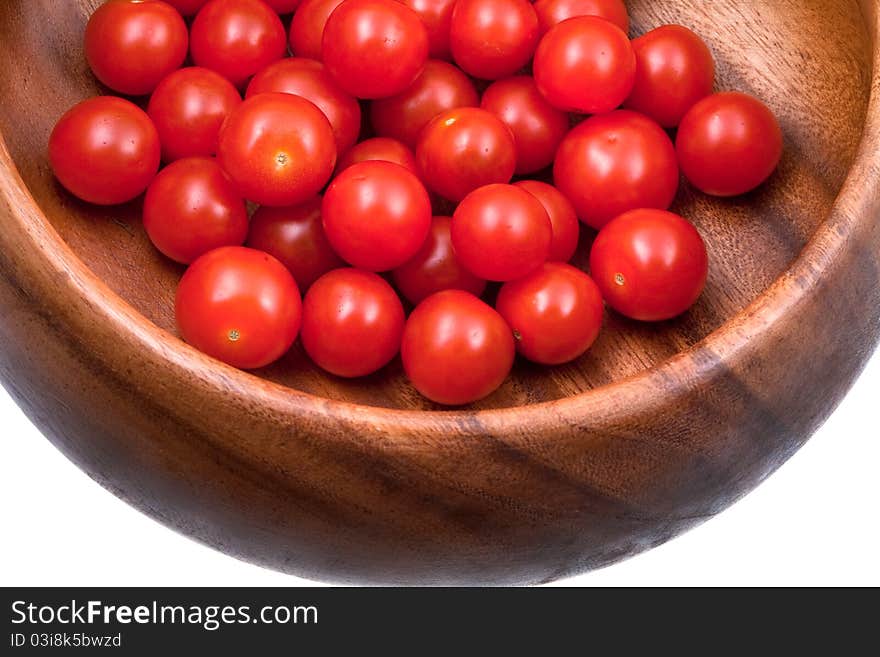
(815, 522)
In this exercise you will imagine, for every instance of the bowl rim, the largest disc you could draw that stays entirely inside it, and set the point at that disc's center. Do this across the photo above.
(176, 359)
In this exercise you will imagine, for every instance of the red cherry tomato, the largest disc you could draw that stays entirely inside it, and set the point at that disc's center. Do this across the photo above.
(237, 38)
(436, 15)
(501, 232)
(296, 237)
(585, 64)
(278, 148)
(456, 349)
(307, 27)
(352, 322)
(379, 148)
(376, 215)
(188, 108)
(650, 265)
(131, 46)
(729, 144)
(309, 79)
(674, 70)
(283, 7)
(551, 12)
(435, 267)
(555, 313)
(616, 162)
(191, 208)
(463, 149)
(491, 39)
(105, 150)
(187, 7)
(440, 87)
(538, 128)
(563, 219)
(374, 48)
(240, 306)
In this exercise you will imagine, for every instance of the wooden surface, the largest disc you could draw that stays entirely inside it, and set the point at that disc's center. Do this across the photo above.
(563, 469)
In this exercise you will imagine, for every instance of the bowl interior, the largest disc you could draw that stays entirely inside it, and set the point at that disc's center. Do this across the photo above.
(808, 59)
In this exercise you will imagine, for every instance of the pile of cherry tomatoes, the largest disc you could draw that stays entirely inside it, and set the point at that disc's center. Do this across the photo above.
(457, 98)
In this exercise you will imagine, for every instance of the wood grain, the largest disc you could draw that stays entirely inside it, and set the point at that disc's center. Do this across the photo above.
(561, 470)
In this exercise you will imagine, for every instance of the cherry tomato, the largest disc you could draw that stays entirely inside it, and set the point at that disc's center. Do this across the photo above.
(374, 48)
(240, 306)
(538, 128)
(551, 12)
(435, 267)
(463, 149)
(440, 87)
(491, 39)
(352, 322)
(436, 15)
(650, 265)
(376, 215)
(296, 237)
(191, 208)
(307, 27)
(237, 38)
(131, 46)
(379, 148)
(278, 148)
(283, 7)
(674, 70)
(616, 162)
(188, 108)
(456, 349)
(585, 64)
(105, 150)
(563, 219)
(309, 79)
(729, 144)
(555, 313)
(501, 232)
(187, 7)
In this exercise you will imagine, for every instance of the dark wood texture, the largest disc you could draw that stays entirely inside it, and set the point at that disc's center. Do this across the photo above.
(562, 470)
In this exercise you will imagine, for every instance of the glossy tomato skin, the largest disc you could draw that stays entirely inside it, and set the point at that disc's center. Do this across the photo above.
(374, 48)
(376, 215)
(674, 71)
(463, 149)
(729, 144)
(439, 88)
(295, 235)
(456, 349)
(187, 7)
(105, 150)
(278, 148)
(131, 46)
(191, 208)
(240, 306)
(551, 12)
(435, 267)
(616, 162)
(501, 232)
(188, 108)
(492, 39)
(563, 219)
(436, 15)
(592, 51)
(307, 27)
(237, 38)
(650, 265)
(352, 322)
(555, 313)
(309, 79)
(379, 148)
(538, 128)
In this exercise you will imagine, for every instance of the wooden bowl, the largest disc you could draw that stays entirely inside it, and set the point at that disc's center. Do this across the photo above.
(562, 470)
